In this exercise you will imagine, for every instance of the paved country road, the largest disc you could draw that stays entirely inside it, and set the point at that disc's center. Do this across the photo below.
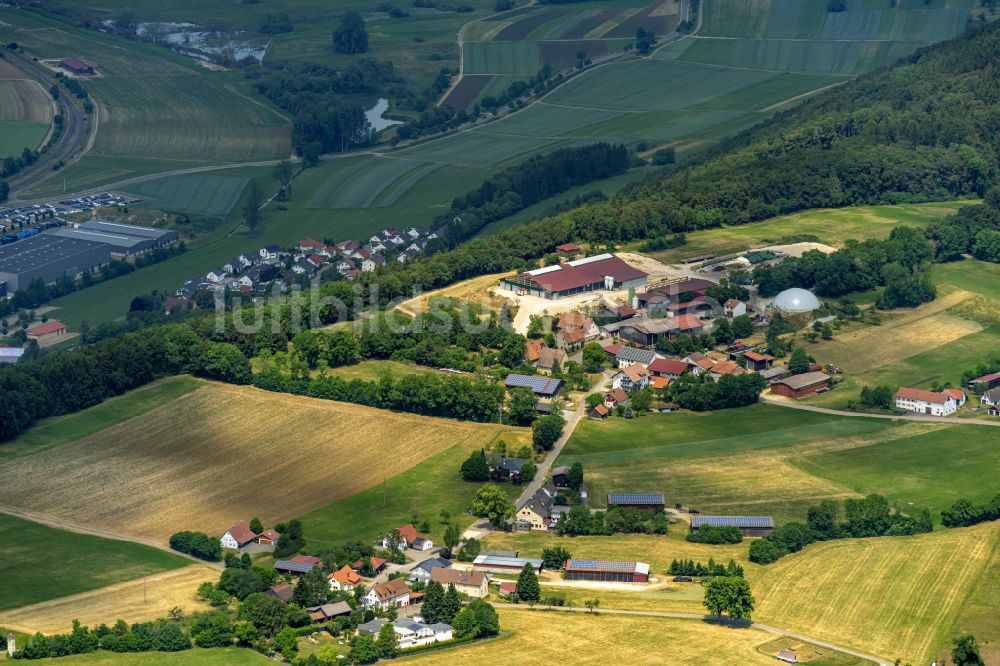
(704, 618)
(782, 402)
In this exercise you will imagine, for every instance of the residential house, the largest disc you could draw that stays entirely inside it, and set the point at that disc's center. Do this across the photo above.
(934, 403)
(304, 267)
(734, 308)
(570, 339)
(535, 513)
(533, 350)
(991, 397)
(471, 583)
(316, 260)
(957, 394)
(215, 276)
(383, 596)
(232, 266)
(615, 397)
(241, 281)
(310, 245)
(344, 578)
(506, 467)
(372, 262)
(410, 633)
(269, 253)
(633, 378)
(627, 356)
(579, 321)
(238, 536)
(248, 260)
(407, 535)
(422, 572)
(994, 410)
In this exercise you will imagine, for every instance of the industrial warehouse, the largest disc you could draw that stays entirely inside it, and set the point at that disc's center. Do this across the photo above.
(67, 252)
(50, 258)
(125, 240)
(607, 571)
(604, 271)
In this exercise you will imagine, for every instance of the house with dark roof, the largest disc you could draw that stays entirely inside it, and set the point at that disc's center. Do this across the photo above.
(422, 571)
(641, 501)
(326, 612)
(506, 467)
(560, 476)
(77, 66)
(627, 356)
(991, 397)
(535, 513)
(986, 382)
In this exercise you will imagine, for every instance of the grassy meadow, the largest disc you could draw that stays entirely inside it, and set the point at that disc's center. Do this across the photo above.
(79, 562)
(240, 453)
(197, 657)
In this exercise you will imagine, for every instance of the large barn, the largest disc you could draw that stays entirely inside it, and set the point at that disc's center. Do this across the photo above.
(604, 271)
(605, 570)
(749, 526)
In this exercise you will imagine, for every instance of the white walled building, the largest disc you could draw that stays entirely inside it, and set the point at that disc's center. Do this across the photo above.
(932, 403)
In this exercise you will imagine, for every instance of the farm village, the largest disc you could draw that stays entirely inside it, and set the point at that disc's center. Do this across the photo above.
(500, 332)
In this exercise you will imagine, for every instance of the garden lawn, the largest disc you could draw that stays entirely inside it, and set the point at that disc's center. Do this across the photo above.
(196, 657)
(51, 563)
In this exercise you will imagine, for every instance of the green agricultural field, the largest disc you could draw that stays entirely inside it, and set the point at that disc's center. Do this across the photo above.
(199, 116)
(361, 181)
(714, 463)
(192, 194)
(477, 147)
(511, 58)
(77, 562)
(428, 488)
(62, 429)
(16, 135)
(832, 226)
(371, 371)
(197, 657)
(930, 470)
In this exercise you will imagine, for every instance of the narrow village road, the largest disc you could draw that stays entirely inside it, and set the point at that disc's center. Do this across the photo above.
(781, 402)
(704, 618)
(117, 536)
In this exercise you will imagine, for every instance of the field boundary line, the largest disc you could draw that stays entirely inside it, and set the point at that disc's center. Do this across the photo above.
(894, 417)
(777, 105)
(703, 618)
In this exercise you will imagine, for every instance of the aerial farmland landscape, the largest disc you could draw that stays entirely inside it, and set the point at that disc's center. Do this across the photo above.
(506, 332)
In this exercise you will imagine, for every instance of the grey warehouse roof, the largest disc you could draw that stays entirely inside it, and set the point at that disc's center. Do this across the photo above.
(129, 230)
(41, 250)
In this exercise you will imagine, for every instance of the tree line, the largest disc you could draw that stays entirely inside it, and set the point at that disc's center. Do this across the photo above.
(868, 517)
(579, 521)
(699, 570)
(964, 513)
(531, 181)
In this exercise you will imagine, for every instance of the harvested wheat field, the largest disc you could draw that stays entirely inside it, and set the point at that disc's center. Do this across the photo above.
(541, 637)
(922, 328)
(476, 290)
(891, 596)
(164, 591)
(223, 453)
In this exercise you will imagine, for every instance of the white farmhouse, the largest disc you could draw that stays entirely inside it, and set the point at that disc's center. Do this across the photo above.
(238, 536)
(933, 403)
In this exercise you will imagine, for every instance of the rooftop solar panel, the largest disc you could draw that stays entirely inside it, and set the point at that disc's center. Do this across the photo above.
(732, 521)
(602, 565)
(540, 385)
(635, 498)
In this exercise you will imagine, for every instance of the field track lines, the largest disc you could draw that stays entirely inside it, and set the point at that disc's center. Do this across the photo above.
(778, 105)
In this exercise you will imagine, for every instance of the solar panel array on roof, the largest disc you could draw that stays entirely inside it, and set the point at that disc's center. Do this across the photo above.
(540, 385)
(288, 565)
(493, 560)
(635, 498)
(732, 521)
(601, 565)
